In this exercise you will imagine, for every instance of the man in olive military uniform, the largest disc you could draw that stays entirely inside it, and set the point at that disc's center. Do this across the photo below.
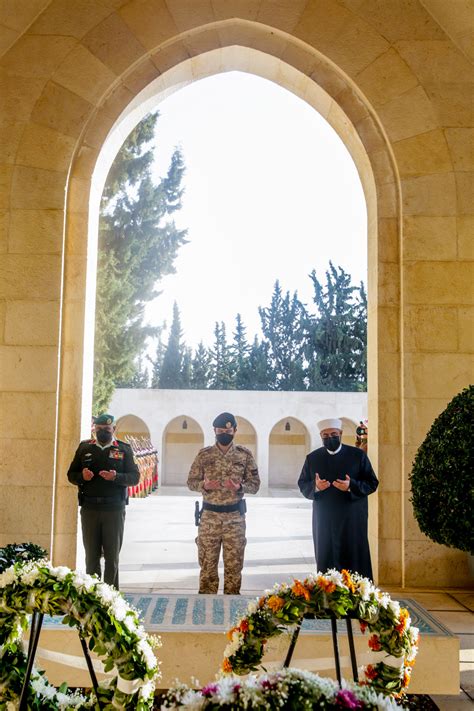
(223, 473)
(103, 468)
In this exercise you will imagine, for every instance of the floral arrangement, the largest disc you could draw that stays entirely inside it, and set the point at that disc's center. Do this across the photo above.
(390, 633)
(102, 616)
(289, 688)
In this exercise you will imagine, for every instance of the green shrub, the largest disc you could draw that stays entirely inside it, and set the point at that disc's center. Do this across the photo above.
(442, 478)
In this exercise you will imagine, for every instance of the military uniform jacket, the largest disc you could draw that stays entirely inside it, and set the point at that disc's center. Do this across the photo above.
(99, 493)
(237, 464)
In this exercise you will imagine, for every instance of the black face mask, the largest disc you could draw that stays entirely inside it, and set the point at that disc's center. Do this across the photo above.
(103, 437)
(332, 443)
(224, 438)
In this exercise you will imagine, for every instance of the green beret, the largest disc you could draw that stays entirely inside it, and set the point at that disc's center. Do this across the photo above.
(104, 419)
(225, 420)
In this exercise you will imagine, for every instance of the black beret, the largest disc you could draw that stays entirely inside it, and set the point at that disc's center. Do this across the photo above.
(225, 419)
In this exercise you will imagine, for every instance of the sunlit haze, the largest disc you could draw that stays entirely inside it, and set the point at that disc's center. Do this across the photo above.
(271, 193)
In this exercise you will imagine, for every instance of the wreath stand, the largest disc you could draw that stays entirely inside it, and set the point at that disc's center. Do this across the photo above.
(335, 644)
(35, 629)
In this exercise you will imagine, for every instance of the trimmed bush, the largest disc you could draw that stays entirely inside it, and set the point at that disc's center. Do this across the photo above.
(442, 476)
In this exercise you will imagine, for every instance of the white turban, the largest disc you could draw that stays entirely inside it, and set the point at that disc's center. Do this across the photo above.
(330, 424)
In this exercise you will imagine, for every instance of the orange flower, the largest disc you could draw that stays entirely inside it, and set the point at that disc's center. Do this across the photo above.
(244, 626)
(226, 666)
(326, 585)
(371, 672)
(402, 625)
(299, 590)
(374, 643)
(261, 602)
(346, 577)
(231, 632)
(275, 603)
(406, 678)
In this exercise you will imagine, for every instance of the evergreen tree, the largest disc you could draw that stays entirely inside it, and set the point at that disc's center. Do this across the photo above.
(337, 342)
(283, 326)
(170, 374)
(240, 351)
(200, 378)
(157, 362)
(138, 243)
(221, 368)
(186, 369)
(139, 379)
(258, 364)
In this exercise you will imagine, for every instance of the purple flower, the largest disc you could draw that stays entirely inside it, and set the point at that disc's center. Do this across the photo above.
(209, 690)
(236, 688)
(267, 684)
(347, 700)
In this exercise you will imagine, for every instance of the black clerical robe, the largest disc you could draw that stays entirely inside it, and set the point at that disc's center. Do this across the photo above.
(340, 517)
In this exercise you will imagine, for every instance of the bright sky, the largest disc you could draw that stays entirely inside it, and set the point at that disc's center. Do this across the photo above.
(271, 193)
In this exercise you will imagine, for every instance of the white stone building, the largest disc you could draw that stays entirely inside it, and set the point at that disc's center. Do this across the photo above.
(278, 427)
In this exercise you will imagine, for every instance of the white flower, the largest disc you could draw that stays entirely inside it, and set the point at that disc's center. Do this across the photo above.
(384, 600)
(414, 633)
(60, 572)
(83, 581)
(335, 577)
(394, 607)
(7, 577)
(147, 690)
(129, 623)
(106, 593)
(147, 652)
(119, 608)
(365, 589)
(252, 608)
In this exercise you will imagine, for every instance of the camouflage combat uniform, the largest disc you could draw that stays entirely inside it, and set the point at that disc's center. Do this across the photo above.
(222, 529)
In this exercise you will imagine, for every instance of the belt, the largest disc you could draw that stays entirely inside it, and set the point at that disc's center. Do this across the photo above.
(223, 509)
(101, 500)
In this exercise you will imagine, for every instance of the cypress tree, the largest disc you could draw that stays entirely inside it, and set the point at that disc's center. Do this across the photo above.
(240, 351)
(200, 377)
(170, 374)
(283, 326)
(337, 345)
(138, 243)
(221, 368)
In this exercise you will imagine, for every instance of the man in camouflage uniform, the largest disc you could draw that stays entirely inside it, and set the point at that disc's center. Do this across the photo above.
(223, 473)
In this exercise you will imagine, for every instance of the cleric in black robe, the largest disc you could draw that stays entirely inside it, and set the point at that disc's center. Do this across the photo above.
(338, 479)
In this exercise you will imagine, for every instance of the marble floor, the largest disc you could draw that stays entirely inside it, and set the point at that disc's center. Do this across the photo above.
(159, 555)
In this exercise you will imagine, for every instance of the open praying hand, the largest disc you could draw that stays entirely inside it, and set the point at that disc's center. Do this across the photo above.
(341, 484)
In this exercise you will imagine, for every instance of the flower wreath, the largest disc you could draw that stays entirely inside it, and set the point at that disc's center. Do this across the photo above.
(288, 688)
(333, 593)
(102, 616)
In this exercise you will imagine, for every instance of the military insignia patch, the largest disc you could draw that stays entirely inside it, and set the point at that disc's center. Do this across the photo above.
(116, 454)
(228, 424)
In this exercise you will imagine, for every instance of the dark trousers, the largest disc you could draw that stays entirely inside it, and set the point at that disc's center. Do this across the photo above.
(102, 531)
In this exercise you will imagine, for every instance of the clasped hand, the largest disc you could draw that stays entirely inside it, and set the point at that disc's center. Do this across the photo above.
(212, 484)
(341, 484)
(108, 475)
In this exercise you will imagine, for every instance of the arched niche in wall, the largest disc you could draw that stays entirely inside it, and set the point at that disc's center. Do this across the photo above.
(182, 439)
(349, 431)
(289, 444)
(131, 425)
(246, 435)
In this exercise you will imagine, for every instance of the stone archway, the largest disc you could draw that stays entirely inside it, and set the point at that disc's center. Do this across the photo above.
(182, 439)
(289, 443)
(246, 434)
(133, 425)
(397, 88)
(379, 208)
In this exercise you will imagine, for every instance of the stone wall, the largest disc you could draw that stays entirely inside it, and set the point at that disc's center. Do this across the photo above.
(395, 81)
